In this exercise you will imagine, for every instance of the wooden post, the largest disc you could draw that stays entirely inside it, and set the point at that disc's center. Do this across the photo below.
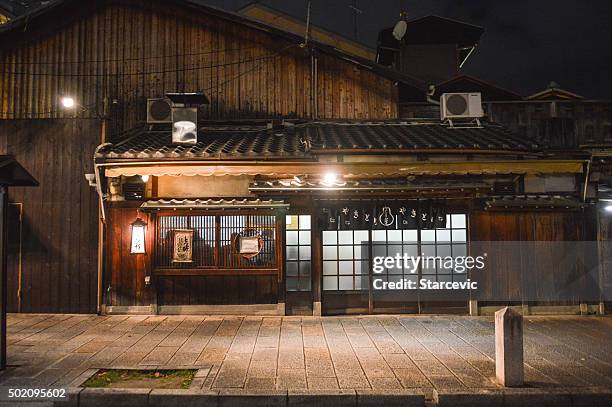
(317, 254)
(509, 347)
(3, 255)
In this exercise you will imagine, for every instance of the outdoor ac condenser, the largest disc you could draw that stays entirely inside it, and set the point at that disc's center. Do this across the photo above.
(184, 125)
(159, 110)
(460, 106)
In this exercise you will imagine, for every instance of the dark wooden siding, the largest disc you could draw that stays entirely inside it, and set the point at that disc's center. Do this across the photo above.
(129, 51)
(124, 282)
(512, 270)
(60, 217)
(218, 290)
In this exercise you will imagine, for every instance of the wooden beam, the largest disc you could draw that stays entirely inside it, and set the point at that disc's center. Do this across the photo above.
(346, 170)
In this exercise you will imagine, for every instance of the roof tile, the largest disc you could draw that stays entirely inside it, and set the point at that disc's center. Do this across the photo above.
(305, 140)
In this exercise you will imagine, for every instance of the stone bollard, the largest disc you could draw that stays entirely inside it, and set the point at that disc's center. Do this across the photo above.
(509, 347)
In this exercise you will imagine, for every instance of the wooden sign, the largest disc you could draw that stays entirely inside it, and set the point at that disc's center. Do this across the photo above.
(247, 247)
(182, 251)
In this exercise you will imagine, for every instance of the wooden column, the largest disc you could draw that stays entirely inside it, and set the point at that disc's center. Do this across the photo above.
(316, 242)
(3, 280)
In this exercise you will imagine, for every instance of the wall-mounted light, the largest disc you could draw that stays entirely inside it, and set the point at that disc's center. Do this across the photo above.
(329, 178)
(91, 179)
(68, 102)
(137, 245)
(605, 204)
(145, 178)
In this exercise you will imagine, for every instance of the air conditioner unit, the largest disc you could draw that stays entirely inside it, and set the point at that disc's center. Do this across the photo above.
(184, 125)
(159, 110)
(460, 106)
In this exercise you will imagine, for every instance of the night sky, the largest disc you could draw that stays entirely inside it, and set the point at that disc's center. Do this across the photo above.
(526, 44)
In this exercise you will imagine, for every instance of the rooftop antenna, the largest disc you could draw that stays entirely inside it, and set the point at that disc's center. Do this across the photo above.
(356, 11)
(307, 33)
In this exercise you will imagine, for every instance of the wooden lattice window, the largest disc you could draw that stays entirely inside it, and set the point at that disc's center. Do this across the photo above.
(214, 240)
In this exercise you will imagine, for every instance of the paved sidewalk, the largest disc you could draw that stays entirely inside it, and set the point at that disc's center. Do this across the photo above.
(383, 353)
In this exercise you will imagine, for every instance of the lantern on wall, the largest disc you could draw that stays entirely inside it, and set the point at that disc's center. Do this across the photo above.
(137, 245)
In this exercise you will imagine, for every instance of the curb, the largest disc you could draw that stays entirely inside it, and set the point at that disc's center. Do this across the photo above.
(237, 397)
(395, 398)
(521, 397)
(183, 398)
(99, 397)
(509, 397)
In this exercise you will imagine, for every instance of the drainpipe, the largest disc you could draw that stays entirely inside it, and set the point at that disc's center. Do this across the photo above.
(586, 179)
(312, 86)
(101, 222)
(102, 213)
(20, 257)
(314, 83)
(430, 92)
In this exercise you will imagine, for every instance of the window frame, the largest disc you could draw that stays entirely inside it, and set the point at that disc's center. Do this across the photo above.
(217, 267)
(338, 259)
(299, 278)
(419, 244)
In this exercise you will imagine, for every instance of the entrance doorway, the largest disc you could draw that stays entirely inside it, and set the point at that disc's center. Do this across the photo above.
(351, 285)
(298, 264)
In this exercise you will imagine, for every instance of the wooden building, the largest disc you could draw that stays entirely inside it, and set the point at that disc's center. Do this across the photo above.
(255, 216)
(111, 56)
(283, 183)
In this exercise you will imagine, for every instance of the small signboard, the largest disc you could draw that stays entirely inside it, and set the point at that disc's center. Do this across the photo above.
(183, 246)
(249, 245)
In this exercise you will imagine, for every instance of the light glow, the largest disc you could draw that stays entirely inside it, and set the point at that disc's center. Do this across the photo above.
(329, 178)
(145, 178)
(68, 102)
(608, 208)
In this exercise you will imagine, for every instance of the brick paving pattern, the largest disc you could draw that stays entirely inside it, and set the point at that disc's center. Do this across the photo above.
(292, 353)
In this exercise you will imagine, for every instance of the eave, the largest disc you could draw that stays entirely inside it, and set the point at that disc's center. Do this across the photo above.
(346, 170)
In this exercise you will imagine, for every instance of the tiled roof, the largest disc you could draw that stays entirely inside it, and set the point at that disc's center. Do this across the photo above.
(308, 139)
(414, 136)
(213, 143)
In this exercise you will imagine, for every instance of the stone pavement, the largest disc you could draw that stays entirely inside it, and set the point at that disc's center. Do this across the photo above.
(382, 353)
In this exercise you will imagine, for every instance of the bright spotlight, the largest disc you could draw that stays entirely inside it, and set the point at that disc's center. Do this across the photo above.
(68, 102)
(330, 178)
(608, 208)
